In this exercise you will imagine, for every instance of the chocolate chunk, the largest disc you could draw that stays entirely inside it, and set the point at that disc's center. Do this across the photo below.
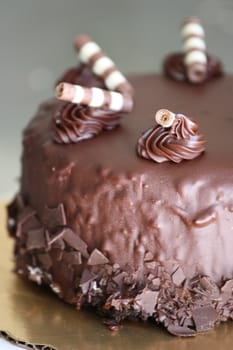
(204, 318)
(36, 239)
(226, 290)
(178, 276)
(211, 287)
(24, 217)
(119, 279)
(97, 258)
(87, 276)
(56, 254)
(31, 223)
(74, 241)
(180, 331)
(45, 260)
(53, 218)
(53, 238)
(147, 300)
(72, 258)
(86, 279)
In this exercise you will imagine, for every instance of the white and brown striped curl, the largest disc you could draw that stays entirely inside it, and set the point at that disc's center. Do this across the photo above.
(90, 53)
(94, 97)
(195, 58)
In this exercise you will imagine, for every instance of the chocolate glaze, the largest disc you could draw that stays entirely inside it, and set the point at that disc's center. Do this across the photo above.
(174, 67)
(141, 216)
(180, 141)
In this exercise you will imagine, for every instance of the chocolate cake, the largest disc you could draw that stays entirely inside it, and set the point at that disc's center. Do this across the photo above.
(134, 239)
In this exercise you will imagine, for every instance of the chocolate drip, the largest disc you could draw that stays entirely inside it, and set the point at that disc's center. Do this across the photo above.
(176, 143)
(174, 67)
(74, 122)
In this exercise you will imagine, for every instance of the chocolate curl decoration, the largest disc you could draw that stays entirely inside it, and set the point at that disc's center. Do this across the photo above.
(90, 53)
(174, 138)
(94, 97)
(195, 57)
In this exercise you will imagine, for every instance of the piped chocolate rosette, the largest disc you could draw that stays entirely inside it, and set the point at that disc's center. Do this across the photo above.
(174, 138)
(96, 95)
(194, 64)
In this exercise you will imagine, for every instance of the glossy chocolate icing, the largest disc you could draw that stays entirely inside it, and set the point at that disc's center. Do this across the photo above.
(125, 205)
(176, 143)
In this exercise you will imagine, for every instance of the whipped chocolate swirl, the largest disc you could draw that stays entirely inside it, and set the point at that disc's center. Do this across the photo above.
(174, 67)
(178, 142)
(74, 122)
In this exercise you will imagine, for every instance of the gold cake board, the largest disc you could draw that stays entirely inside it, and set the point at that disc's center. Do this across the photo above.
(36, 315)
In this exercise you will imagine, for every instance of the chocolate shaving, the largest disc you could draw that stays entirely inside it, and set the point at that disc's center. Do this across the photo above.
(178, 276)
(204, 318)
(54, 218)
(147, 300)
(74, 241)
(226, 290)
(97, 258)
(86, 279)
(36, 239)
(72, 258)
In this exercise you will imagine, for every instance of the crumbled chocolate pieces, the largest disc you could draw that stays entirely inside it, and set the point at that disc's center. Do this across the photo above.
(97, 258)
(74, 241)
(147, 300)
(36, 239)
(55, 255)
(204, 318)
(72, 258)
(178, 276)
(86, 279)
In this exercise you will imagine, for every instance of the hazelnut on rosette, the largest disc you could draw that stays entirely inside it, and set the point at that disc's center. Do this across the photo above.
(194, 64)
(174, 138)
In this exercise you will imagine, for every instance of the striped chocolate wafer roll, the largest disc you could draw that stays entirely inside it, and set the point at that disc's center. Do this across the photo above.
(90, 53)
(94, 97)
(195, 58)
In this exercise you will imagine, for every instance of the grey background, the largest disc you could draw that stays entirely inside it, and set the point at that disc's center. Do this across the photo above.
(36, 38)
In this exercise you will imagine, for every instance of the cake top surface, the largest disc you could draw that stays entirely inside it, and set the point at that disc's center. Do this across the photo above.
(209, 104)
